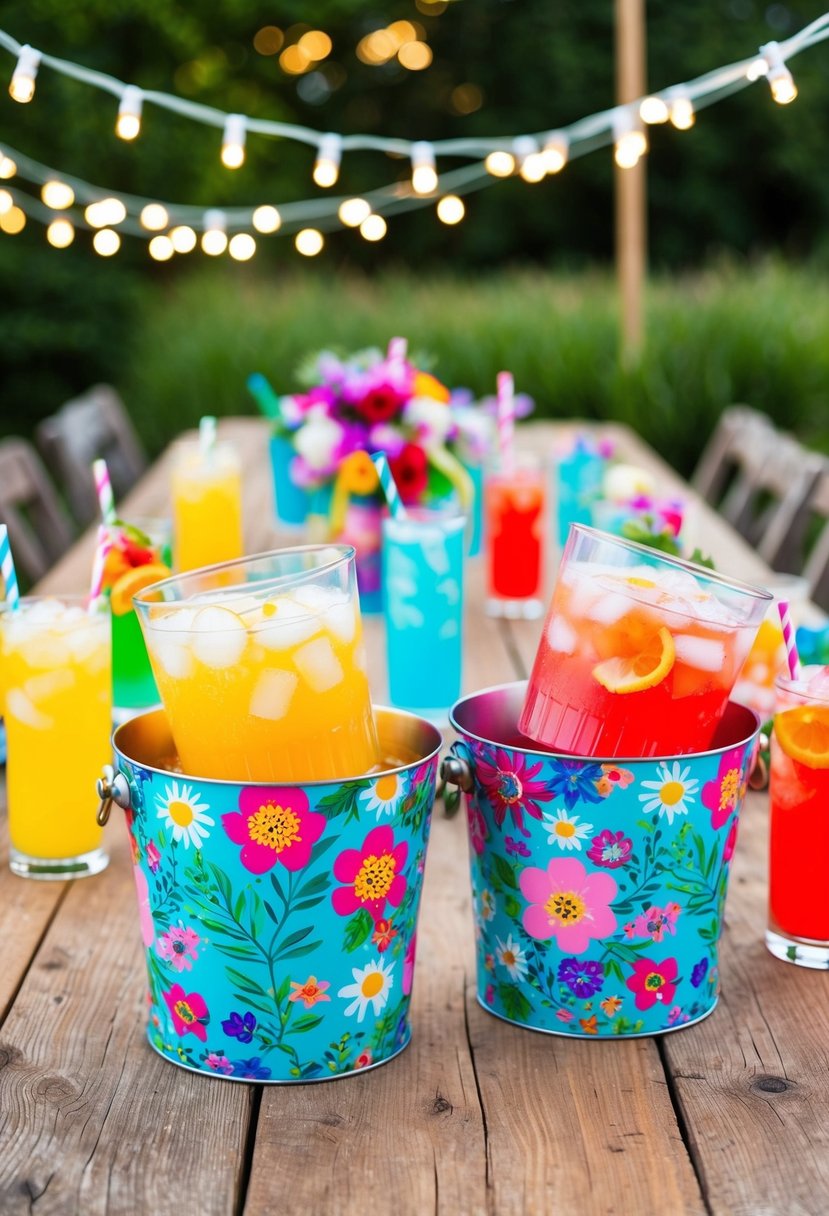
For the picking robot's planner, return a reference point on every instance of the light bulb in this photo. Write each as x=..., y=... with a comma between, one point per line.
x=630, y=141
x=308, y=242
x=451, y=209
x=22, y=86
x=424, y=173
x=128, y=122
x=60, y=233
x=13, y=220
x=266, y=219
x=682, y=112
x=500, y=164
x=653, y=110
x=57, y=195
x=327, y=166
x=352, y=211
x=233, y=141
x=214, y=238
x=8, y=168
x=373, y=228
x=105, y=212
x=6, y=201
x=781, y=83
x=242, y=247
x=106, y=242
x=161, y=248
x=556, y=151
x=154, y=217
x=182, y=238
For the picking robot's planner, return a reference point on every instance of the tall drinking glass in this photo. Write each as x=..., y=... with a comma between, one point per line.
x=260, y=665
x=639, y=651
x=515, y=529
x=423, y=605
x=55, y=677
x=207, y=505
x=798, y=920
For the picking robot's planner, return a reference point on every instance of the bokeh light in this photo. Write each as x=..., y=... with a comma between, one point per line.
x=309, y=242
x=266, y=219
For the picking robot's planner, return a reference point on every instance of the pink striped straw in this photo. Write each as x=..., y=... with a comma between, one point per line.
x=506, y=420
x=103, y=488
x=102, y=548
x=792, y=657
x=397, y=350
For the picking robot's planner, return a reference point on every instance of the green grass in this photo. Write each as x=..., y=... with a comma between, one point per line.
x=752, y=334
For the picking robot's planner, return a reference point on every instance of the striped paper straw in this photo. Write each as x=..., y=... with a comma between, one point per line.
x=506, y=420
x=207, y=434
x=792, y=657
x=103, y=488
x=389, y=486
x=102, y=548
x=8, y=571
x=398, y=348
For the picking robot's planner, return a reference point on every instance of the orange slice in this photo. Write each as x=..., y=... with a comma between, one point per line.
x=803, y=734
x=636, y=672
x=135, y=580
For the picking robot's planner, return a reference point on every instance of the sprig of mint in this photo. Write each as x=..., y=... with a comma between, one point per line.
x=663, y=542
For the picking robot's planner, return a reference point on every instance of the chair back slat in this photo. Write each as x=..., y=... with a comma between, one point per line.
x=39, y=531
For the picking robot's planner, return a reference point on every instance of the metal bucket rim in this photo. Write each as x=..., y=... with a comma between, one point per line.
x=536, y=752
x=389, y=709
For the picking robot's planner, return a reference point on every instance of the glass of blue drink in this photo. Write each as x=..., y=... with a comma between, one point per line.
x=423, y=556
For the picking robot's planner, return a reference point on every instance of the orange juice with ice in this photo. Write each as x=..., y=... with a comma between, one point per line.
x=55, y=674
x=207, y=506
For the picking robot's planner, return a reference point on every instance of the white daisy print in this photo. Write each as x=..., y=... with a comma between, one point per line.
x=511, y=956
x=372, y=985
x=182, y=812
x=487, y=904
x=384, y=795
x=671, y=793
x=565, y=830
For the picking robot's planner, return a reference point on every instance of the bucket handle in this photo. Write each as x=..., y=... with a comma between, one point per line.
x=111, y=787
x=455, y=769
x=758, y=778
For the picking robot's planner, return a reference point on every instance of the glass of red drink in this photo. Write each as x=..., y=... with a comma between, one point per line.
x=515, y=505
x=639, y=651
x=798, y=920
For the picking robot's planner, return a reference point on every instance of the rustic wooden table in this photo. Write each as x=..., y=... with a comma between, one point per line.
x=476, y=1116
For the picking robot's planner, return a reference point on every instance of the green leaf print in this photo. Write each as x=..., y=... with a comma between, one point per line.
x=511, y=906
x=505, y=873
x=357, y=930
x=343, y=801
x=516, y=1006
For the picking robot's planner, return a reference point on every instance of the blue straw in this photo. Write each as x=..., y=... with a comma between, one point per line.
x=389, y=486
x=8, y=571
x=264, y=396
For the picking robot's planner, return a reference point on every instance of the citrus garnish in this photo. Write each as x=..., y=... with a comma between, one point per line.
x=644, y=669
x=132, y=582
x=803, y=734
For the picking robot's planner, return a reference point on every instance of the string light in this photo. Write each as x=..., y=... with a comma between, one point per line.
x=6, y=201
x=233, y=141
x=373, y=228
x=424, y=173
x=182, y=238
x=8, y=168
x=154, y=217
x=654, y=110
x=309, y=242
x=57, y=195
x=352, y=211
x=781, y=82
x=128, y=122
x=106, y=242
x=500, y=163
x=13, y=220
x=681, y=110
x=105, y=213
x=242, y=247
x=266, y=219
x=630, y=141
x=60, y=233
x=451, y=209
x=556, y=151
x=214, y=240
x=22, y=86
x=530, y=162
x=161, y=248
x=327, y=166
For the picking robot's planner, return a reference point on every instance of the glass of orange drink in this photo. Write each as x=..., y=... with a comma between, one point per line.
x=639, y=651
x=260, y=665
x=207, y=505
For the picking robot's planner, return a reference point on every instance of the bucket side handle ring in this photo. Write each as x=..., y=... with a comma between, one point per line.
x=111, y=787
x=455, y=769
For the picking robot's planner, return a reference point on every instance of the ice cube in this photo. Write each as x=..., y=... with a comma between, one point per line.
x=817, y=682
x=608, y=609
x=705, y=654
x=285, y=624
x=174, y=620
x=450, y=590
x=85, y=641
x=20, y=707
x=448, y=629
x=435, y=554
x=341, y=620
x=44, y=612
x=318, y=665
x=561, y=636
x=219, y=637
x=318, y=599
x=173, y=656
x=272, y=694
x=37, y=688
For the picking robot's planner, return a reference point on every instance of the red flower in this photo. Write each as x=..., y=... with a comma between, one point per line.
x=410, y=470
x=273, y=824
x=381, y=403
x=384, y=931
x=652, y=982
x=372, y=874
x=188, y=1011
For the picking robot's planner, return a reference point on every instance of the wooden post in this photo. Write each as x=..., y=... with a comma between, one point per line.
x=631, y=231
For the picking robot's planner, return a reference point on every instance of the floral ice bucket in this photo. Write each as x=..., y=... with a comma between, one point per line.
x=279, y=923
x=598, y=884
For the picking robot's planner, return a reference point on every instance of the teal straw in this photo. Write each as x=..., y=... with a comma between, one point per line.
x=8, y=571
x=389, y=486
x=265, y=397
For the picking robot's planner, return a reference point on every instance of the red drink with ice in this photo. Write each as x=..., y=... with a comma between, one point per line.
x=639, y=651
x=514, y=529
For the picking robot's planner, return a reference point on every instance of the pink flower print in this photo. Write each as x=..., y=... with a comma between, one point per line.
x=652, y=982
x=655, y=923
x=372, y=874
x=145, y=914
x=153, y=858
x=218, y=1063
x=610, y=849
x=617, y=776
x=731, y=840
x=188, y=1011
x=310, y=992
x=489, y=994
x=477, y=828
x=568, y=903
x=408, y=965
x=178, y=946
x=723, y=795
x=273, y=824
x=564, y=1015
x=509, y=784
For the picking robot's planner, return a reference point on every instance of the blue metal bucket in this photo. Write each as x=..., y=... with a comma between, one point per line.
x=598, y=884
x=279, y=923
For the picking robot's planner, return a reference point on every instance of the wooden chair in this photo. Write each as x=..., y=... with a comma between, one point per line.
x=813, y=538
x=39, y=531
x=93, y=425
x=739, y=429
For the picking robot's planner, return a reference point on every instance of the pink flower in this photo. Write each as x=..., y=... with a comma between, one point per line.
x=652, y=982
x=508, y=781
x=610, y=849
x=408, y=965
x=372, y=874
x=178, y=946
x=477, y=828
x=145, y=913
x=310, y=992
x=723, y=795
x=153, y=858
x=364, y=1059
x=564, y=1015
x=188, y=1011
x=218, y=1063
x=617, y=776
x=655, y=923
x=731, y=840
x=489, y=994
x=273, y=824
x=568, y=903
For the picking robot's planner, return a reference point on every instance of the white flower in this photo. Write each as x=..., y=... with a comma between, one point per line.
x=430, y=418
x=511, y=956
x=384, y=795
x=625, y=481
x=372, y=985
x=671, y=791
x=184, y=814
x=565, y=830
x=487, y=904
x=318, y=439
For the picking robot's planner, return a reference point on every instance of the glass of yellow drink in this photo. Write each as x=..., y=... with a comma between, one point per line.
x=207, y=505
x=55, y=680
x=260, y=666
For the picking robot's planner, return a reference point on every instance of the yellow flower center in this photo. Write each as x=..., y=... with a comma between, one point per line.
x=386, y=787
x=563, y=828
x=375, y=877
x=654, y=981
x=372, y=984
x=181, y=813
x=565, y=907
x=509, y=958
x=275, y=826
x=672, y=792
x=729, y=788
x=185, y=1012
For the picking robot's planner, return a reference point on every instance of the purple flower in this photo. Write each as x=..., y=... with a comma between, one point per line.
x=240, y=1026
x=699, y=972
x=583, y=979
x=610, y=849
x=251, y=1070
x=516, y=847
